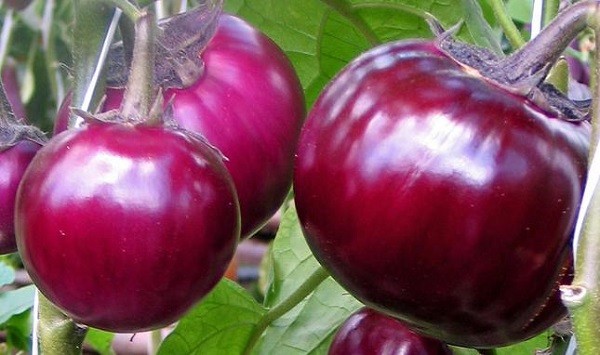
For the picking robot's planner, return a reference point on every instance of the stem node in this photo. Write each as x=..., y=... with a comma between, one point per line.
x=573, y=296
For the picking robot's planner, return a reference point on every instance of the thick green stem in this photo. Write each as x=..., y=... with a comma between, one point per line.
x=127, y=29
x=582, y=297
x=58, y=335
x=508, y=26
x=285, y=306
x=140, y=94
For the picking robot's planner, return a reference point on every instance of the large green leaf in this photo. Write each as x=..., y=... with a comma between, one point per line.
x=308, y=327
x=221, y=324
x=18, y=330
x=291, y=260
x=15, y=302
x=320, y=37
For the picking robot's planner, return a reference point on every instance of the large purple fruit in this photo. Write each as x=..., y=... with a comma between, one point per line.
x=250, y=105
x=125, y=227
x=440, y=198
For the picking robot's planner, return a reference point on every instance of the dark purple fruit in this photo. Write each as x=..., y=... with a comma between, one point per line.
x=125, y=227
x=368, y=332
x=13, y=162
x=440, y=198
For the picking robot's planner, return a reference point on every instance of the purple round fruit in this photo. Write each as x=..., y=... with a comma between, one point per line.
x=250, y=105
x=368, y=332
x=440, y=198
x=13, y=162
x=125, y=227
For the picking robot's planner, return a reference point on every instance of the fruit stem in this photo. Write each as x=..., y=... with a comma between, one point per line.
x=550, y=43
x=140, y=93
x=58, y=334
x=285, y=306
x=508, y=26
x=582, y=297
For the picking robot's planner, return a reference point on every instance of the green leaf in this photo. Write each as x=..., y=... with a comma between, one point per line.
x=478, y=28
x=220, y=324
x=15, y=302
x=520, y=10
x=100, y=341
x=309, y=326
x=291, y=260
x=527, y=347
x=18, y=330
x=7, y=274
x=463, y=351
x=321, y=37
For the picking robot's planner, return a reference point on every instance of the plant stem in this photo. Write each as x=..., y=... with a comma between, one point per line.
x=549, y=45
x=58, y=335
x=140, y=94
x=285, y=306
x=128, y=8
x=582, y=297
x=508, y=26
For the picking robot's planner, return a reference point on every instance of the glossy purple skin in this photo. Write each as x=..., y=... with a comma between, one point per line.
x=368, y=332
x=250, y=105
x=13, y=162
x=439, y=198
x=125, y=228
